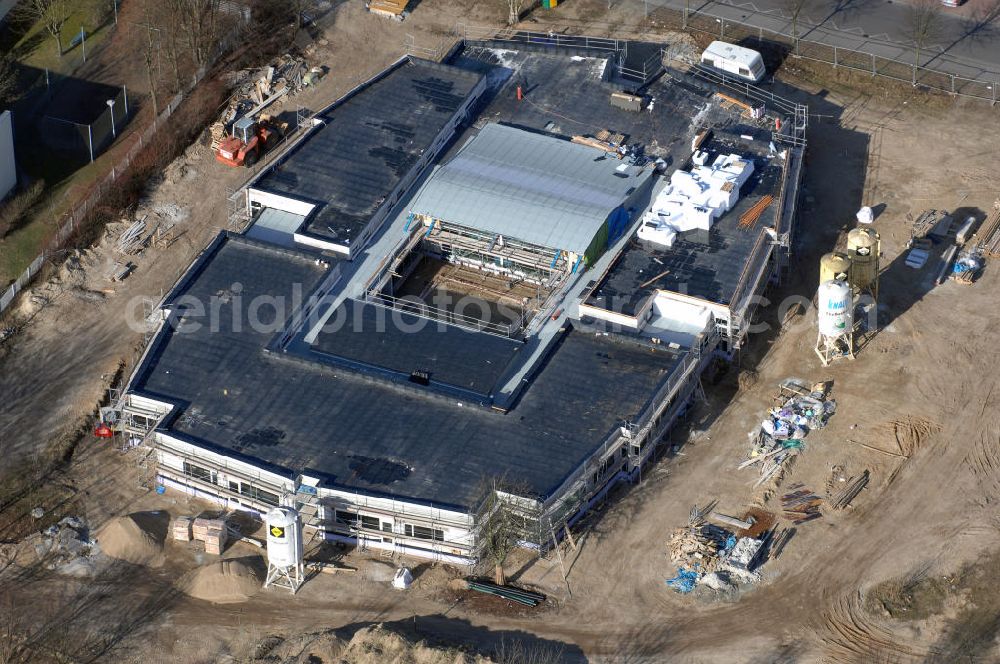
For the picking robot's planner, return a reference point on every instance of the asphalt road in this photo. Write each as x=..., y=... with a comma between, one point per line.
x=966, y=40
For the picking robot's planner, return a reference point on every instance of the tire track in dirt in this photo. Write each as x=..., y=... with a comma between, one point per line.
x=983, y=460
x=853, y=635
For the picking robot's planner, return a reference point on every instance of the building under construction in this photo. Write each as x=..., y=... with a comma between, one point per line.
x=438, y=294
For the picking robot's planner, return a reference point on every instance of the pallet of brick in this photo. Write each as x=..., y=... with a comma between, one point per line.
x=181, y=529
x=215, y=541
x=202, y=527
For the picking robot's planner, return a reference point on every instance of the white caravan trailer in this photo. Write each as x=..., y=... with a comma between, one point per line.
x=745, y=63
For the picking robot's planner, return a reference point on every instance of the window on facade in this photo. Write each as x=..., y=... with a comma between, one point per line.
x=203, y=474
x=346, y=518
x=353, y=519
x=234, y=486
x=744, y=71
x=386, y=527
x=421, y=532
x=261, y=496
x=141, y=421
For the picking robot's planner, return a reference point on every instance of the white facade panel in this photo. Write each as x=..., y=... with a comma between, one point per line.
x=279, y=202
x=8, y=165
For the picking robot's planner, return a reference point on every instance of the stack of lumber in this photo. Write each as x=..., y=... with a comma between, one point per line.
x=746, y=110
x=851, y=491
x=801, y=505
x=605, y=141
x=725, y=101
x=966, y=278
x=989, y=234
x=181, y=529
x=212, y=532
x=388, y=8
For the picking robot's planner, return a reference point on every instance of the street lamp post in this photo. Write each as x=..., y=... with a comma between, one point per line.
x=111, y=106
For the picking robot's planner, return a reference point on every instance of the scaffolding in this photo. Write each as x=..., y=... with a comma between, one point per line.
x=544, y=523
x=238, y=211
x=484, y=252
x=528, y=261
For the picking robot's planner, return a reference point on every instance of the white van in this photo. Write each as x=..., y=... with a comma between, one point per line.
x=745, y=63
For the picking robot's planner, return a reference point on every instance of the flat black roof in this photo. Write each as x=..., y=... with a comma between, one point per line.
x=566, y=94
x=289, y=414
x=367, y=335
x=369, y=142
x=81, y=101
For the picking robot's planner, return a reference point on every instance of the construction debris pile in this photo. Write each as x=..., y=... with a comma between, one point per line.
x=779, y=438
x=67, y=548
x=255, y=89
x=967, y=266
x=712, y=556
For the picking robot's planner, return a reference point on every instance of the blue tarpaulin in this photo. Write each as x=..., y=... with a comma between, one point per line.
x=685, y=580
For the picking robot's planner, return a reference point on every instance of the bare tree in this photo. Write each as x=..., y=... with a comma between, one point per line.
x=166, y=15
x=514, y=9
x=925, y=24
x=982, y=17
x=794, y=9
x=195, y=24
x=52, y=14
x=502, y=521
x=149, y=56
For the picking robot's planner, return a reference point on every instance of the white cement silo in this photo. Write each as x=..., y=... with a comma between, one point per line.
x=285, y=567
x=835, y=319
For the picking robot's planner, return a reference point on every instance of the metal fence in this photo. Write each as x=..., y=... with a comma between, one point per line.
x=873, y=65
x=87, y=141
x=71, y=220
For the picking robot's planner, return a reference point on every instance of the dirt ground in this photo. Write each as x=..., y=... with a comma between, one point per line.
x=919, y=540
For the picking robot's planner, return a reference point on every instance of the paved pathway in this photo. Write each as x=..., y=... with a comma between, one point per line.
x=966, y=45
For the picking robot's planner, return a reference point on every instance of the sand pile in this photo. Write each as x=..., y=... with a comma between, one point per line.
x=376, y=644
x=136, y=538
x=222, y=582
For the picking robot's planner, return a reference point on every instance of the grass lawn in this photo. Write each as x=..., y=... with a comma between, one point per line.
x=38, y=49
x=23, y=245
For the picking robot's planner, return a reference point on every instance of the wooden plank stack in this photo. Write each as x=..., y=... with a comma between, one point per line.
x=801, y=505
x=989, y=234
x=388, y=8
x=604, y=141
x=212, y=532
x=851, y=491
x=181, y=529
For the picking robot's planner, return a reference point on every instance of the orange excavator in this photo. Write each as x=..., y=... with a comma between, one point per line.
x=249, y=140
